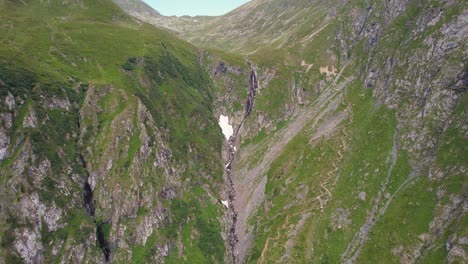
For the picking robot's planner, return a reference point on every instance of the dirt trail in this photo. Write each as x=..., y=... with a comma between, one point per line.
x=262, y=257
x=250, y=183
x=325, y=196
x=315, y=32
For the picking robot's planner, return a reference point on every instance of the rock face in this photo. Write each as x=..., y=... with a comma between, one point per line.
x=98, y=170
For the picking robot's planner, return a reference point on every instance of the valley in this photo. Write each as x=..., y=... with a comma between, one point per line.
x=303, y=131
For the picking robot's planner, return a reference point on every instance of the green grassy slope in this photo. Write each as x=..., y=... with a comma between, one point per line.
x=367, y=165
x=111, y=69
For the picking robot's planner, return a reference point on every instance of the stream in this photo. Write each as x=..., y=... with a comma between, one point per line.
x=232, y=235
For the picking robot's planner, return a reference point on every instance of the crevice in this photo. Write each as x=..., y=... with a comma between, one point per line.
x=102, y=241
x=88, y=204
x=232, y=235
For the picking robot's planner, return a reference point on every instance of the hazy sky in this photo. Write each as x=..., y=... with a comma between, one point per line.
x=194, y=7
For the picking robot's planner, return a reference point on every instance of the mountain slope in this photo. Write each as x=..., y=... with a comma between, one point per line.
x=338, y=160
x=99, y=161
x=255, y=25
x=349, y=133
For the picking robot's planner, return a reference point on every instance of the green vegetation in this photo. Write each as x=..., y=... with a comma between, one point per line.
x=207, y=246
x=130, y=109
x=454, y=145
x=58, y=52
x=365, y=163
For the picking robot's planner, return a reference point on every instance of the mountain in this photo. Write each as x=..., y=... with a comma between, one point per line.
x=137, y=8
x=303, y=131
x=110, y=149
x=359, y=105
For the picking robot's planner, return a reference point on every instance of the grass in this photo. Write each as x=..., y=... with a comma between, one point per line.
x=201, y=236
x=454, y=145
x=143, y=253
x=48, y=49
x=51, y=50
x=370, y=141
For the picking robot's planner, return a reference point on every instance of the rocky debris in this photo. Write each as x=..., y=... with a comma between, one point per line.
x=362, y=196
x=32, y=210
x=28, y=244
x=456, y=30
x=429, y=17
x=57, y=103
x=30, y=121
x=6, y=119
x=394, y=8
x=341, y=218
x=78, y=254
x=52, y=217
x=456, y=249
x=298, y=93
x=4, y=144
x=168, y=193
x=148, y=225
x=221, y=69
x=396, y=251
x=372, y=34
x=371, y=79
x=461, y=84
x=457, y=254
x=38, y=173
x=164, y=250
x=10, y=102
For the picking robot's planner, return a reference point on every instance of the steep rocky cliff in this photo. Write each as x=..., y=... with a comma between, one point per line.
x=110, y=149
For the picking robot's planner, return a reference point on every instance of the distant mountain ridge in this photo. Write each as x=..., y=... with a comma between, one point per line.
x=138, y=9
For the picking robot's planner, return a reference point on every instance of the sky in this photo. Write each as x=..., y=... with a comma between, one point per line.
x=194, y=7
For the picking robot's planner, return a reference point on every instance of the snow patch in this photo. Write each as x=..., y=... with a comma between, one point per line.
x=225, y=127
x=225, y=203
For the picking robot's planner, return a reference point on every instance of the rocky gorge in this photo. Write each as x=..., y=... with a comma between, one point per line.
x=282, y=132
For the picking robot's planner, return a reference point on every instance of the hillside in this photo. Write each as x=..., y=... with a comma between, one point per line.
x=354, y=150
x=99, y=162
x=302, y=131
